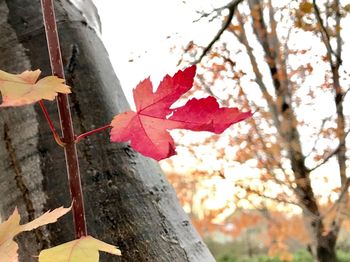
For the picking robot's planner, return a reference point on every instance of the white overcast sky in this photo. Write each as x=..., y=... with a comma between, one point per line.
x=145, y=31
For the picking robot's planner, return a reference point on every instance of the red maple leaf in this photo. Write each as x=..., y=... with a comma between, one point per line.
x=147, y=128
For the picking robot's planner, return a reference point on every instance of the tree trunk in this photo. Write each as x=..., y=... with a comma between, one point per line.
x=326, y=249
x=128, y=200
x=322, y=245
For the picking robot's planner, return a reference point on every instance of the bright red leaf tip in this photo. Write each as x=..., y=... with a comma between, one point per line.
x=147, y=128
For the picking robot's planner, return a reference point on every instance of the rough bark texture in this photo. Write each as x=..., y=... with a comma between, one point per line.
x=128, y=200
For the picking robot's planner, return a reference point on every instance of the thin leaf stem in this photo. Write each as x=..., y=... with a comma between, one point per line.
x=70, y=149
x=94, y=131
x=51, y=125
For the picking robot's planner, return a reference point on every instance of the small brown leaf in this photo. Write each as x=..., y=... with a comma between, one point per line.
x=306, y=7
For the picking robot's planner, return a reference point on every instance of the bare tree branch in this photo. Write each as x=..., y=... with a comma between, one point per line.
x=345, y=93
x=326, y=37
x=259, y=193
x=335, y=151
x=231, y=7
x=242, y=37
x=318, y=136
x=339, y=40
x=206, y=15
x=342, y=194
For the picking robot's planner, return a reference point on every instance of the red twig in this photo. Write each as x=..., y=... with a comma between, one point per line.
x=51, y=125
x=65, y=119
x=97, y=130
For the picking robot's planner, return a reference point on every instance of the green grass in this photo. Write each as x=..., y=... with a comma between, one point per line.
x=300, y=256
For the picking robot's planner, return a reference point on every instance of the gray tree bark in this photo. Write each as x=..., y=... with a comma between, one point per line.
x=128, y=200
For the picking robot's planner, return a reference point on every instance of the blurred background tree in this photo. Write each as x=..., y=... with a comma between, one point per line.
x=284, y=170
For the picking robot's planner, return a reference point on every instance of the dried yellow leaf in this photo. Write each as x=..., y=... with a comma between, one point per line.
x=24, y=89
x=347, y=8
x=306, y=7
x=11, y=227
x=84, y=249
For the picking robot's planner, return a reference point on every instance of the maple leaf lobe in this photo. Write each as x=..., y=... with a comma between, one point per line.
x=170, y=89
x=147, y=129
